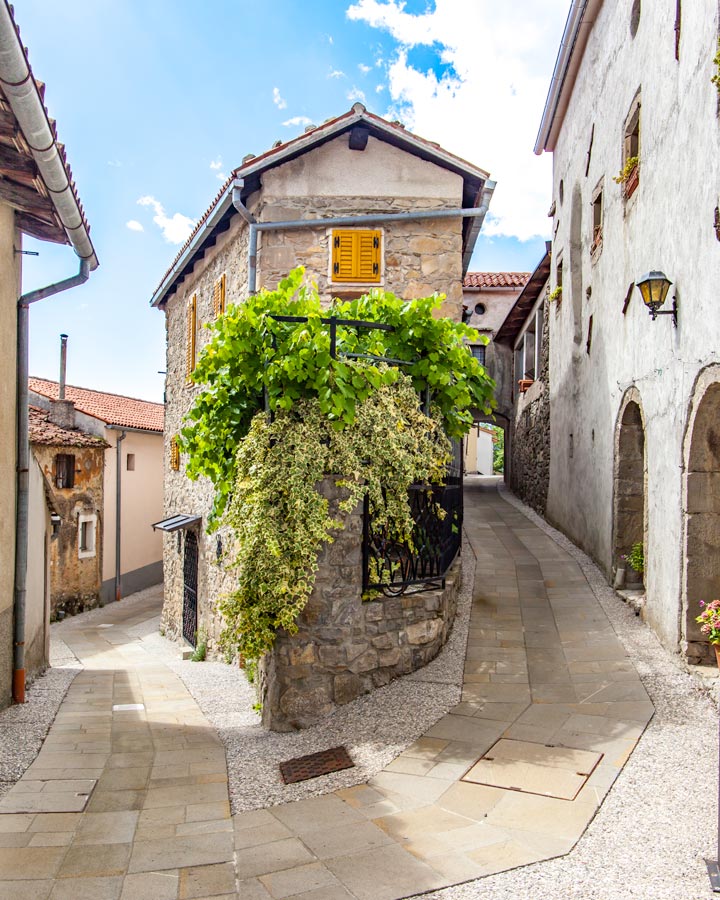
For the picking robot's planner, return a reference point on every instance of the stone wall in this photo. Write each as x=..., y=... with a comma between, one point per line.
x=420, y=257
x=74, y=582
x=346, y=647
x=530, y=439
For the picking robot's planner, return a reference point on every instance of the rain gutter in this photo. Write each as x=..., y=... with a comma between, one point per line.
x=556, y=101
x=255, y=227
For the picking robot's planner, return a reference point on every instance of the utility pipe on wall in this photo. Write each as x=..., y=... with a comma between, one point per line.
x=118, y=514
x=23, y=468
x=343, y=221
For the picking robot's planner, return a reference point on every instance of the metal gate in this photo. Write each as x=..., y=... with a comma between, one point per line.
x=190, y=583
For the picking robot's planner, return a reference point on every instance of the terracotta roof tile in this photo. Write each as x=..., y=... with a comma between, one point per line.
x=115, y=409
x=496, y=279
x=43, y=431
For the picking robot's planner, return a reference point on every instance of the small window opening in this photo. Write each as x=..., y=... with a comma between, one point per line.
x=589, y=151
x=571, y=447
x=480, y=309
x=131, y=462
x=630, y=174
x=478, y=351
x=678, y=24
x=597, y=221
x=86, y=535
x=65, y=470
x=635, y=18
x=589, y=336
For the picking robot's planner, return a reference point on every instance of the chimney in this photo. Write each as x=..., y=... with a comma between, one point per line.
x=62, y=411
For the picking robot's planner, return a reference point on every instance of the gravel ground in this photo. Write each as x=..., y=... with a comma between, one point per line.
x=23, y=728
x=659, y=821
x=375, y=728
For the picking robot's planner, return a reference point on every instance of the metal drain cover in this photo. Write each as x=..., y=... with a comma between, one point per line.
x=315, y=764
x=532, y=768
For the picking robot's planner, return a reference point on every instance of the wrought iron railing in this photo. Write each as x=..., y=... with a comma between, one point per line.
x=394, y=567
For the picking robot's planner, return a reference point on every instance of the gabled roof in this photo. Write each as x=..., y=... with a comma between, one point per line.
x=43, y=431
x=360, y=123
x=495, y=279
x=519, y=311
x=113, y=409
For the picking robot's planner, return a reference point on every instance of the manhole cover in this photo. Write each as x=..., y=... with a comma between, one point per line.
x=315, y=764
x=534, y=768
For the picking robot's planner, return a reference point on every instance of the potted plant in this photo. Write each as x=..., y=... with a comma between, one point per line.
x=709, y=621
x=629, y=175
x=635, y=560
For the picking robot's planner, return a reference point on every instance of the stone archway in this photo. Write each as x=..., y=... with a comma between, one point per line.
x=702, y=519
x=630, y=485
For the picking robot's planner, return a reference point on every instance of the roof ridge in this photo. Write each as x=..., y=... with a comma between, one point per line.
x=95, y=391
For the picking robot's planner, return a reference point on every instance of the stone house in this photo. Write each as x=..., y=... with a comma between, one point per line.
x=37, y=198
x=521, y=357
x=631, y=119
x=128, y=497
x=72, y=464
x=361, y=203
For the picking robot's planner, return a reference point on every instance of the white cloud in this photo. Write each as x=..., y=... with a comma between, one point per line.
x=336, y=73
x=115, y=163
x=487, y=107
x=278, y=100
x=134, y=225
x=296, y=121
x=176, y=228
x=363, y=68
x=356, y=94
x=216, y=165
x=379, y=88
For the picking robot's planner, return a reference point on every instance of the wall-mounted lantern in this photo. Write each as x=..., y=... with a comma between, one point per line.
x=653, y=288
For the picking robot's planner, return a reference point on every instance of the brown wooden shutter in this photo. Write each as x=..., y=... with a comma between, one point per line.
x=190, y=337
x=219, y=297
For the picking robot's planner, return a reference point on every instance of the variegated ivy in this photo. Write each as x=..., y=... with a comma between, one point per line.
x=341, y=414
x=279, y=517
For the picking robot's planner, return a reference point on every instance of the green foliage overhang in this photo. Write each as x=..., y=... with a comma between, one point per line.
x=345, y=414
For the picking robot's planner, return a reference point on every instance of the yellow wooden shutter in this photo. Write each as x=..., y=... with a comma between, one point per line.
x=190, y=336
x=219, y=296
x=368, y=255
x=174, y=454
x=356, y=256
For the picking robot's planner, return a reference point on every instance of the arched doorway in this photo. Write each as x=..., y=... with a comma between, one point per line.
x=702, y=520
x=630, y=488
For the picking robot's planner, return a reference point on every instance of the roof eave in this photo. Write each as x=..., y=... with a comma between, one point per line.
x=579, y=23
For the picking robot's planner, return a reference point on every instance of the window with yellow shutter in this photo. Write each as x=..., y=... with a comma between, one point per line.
x=174, y=454
x=190, y=337
x=356, y=255
x=219, y=297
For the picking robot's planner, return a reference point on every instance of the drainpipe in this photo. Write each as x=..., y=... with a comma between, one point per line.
x=23, y=468
x=118, y=508
x=118, y=497
x=342, y=221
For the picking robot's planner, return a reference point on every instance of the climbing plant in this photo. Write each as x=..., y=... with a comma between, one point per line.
x=283, y=403
x=280, y=518
x=251, y=354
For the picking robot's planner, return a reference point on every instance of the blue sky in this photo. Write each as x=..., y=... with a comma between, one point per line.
x=158, y=101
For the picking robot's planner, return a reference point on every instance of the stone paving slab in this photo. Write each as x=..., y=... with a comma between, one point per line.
x=548, y=693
